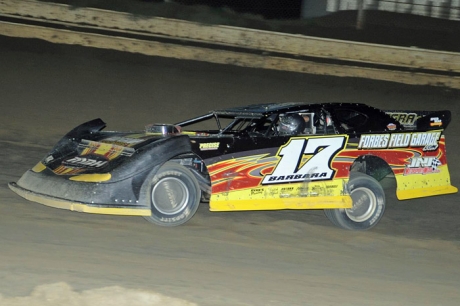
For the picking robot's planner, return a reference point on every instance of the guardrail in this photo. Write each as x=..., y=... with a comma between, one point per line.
x=227, y=45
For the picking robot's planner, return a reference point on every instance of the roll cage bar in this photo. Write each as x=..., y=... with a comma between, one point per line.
x=221, y=115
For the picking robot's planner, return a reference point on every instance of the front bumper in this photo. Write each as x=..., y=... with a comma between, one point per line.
x=100, y=198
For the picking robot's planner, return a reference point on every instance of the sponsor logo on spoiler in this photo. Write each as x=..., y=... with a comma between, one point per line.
x=406, y=119
x=435, y=121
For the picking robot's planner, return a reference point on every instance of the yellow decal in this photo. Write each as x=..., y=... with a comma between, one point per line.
x=305, y=195
x=94, y=178
x=39, y=167
x=209, y=146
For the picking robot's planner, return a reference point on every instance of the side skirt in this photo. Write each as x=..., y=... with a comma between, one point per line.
x=222, y=203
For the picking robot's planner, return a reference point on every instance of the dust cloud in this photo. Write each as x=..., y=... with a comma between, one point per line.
x=59, y=294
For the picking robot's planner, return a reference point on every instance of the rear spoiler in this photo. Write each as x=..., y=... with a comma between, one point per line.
x=422, y=120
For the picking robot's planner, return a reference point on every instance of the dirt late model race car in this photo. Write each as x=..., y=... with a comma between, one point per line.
x=327, y=156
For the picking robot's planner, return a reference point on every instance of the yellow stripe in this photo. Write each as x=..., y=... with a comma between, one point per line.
x=425, y=192
x=321, y=202
x=94, y=178
x=39, y=167
x=102, y=148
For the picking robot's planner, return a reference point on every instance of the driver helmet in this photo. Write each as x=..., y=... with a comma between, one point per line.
x=291, y=124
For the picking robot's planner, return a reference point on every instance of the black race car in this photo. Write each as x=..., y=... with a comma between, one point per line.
x=327, y=156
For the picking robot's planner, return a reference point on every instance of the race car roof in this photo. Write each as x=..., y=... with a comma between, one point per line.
x=257, y=110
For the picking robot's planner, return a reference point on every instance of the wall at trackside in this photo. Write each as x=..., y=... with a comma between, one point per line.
x=227, y=45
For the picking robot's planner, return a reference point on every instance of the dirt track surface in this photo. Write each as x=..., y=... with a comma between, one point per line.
x=56, y=257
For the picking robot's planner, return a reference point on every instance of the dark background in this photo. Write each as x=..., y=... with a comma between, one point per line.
x=380, y=27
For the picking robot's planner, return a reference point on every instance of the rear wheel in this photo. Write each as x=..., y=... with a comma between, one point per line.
x=368, y=204
x=173, y=194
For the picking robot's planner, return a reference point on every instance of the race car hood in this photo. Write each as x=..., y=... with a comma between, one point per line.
x=87, y=153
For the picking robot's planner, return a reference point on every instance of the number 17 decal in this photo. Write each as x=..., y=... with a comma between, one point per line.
x=318, y=153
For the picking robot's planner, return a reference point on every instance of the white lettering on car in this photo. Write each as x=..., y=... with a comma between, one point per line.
x=318, y=152
x=83, y=161
x=429, y=140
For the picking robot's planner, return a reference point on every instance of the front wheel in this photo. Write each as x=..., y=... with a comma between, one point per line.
x=173, y=194
x=368, y=204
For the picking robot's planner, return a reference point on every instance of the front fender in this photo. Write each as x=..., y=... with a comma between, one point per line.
x=153, y=154
x=123, y=187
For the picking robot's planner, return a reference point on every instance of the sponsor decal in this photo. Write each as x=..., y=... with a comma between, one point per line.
x=302, y=190
x=435, y=121
x=92, y=161
x=377, y=141
x=391, y=126
x=424, y=139
x=49, y=159
x=306, y=159
x=257, y=191
x=209, y=146
x=406, y=119
x=286, y=192
x=123, y=141
x=428, y=140
x=422, y=165
x=316, y=191
x=108, y=150
x=431, y=147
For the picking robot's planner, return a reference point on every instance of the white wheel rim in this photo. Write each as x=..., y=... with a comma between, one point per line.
x=364, y=204
x=170, y=195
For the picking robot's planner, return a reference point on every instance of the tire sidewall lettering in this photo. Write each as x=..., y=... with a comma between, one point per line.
x=172, y=170
x=340, y=217
x=376, y=215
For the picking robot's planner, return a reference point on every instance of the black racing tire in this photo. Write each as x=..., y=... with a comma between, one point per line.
x=368, y=204
x=173, y=194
